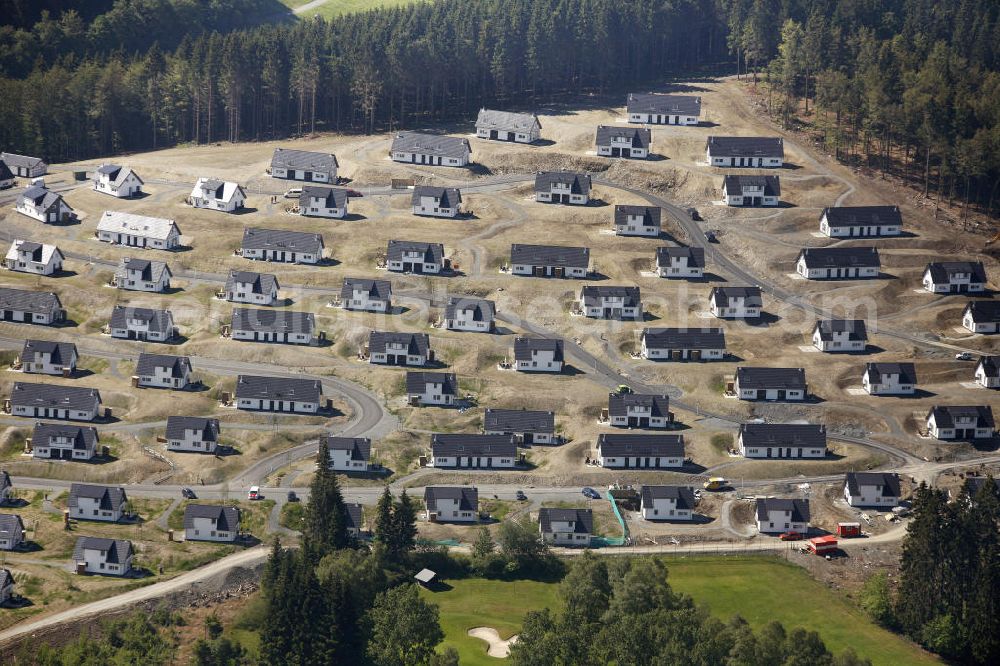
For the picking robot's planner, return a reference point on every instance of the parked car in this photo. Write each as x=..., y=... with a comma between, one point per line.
x=791, y=536
x=963, y=356
x=715, y=483
x=293, y=193
x=520, y=496
x=354, y=193
x=292, y=497
x=187, y=493
x=710, y=237
x=591, y=493
x=254, y=493
x=693, y=212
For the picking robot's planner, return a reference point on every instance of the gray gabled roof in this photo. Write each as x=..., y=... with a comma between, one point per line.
x=137, y=225
x=377, y=289
x=279, y=239
x=945, y=415
x=579, y=183
x=482, y=309
x=507, y=121
x=151, y=271
x=354, y=515
x=976, y=483
x=448, y=197
x=111, y=498
x=256, y=387
x=866, y=216
x=262, y=283
x=42, y=197
x=5, y=172
x=840, y=257
x=684, y=338
x=990, y=365
x=983, y=312
x=650, y=214
x=722, y=295
x=682, y=495
x=177, y=425
x=360, y=448
x=84, y=438
x=941, y=271
x=593, y=295
x=907, y=372
x=5, y=481
x=519, y=420
x=695, y=255
x=638, y=137
x=888, y=480
x=23, y=300
x=23, y=161
x=745, y=146
x=417, y=344
x=523, y=347
x=616, y=445
x=855, y=328
x=11, y=525
x=619, y=403
x=26, y=394
x=798, y=508
x=157, y=320
x=755, y=377
x=473, y=444
x=550, y=255
x=666, y=105
x=59, y=352
x=417, y=381
x=179, y=366
x=303, y=160
x=431, y=144
x=734, y=184
x=806, y=435
x=332, y=197
x=433, y=253
x=118, y=174
x=468, y=498
x=583, y=519
x=273, y=321
x=227, y=518
x=118, y=550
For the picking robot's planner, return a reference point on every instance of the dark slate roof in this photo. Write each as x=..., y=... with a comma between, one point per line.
x=273, y=321
x=417, y=344
x=157, y=320
x=524, y=346
x=303, y=160
x=60, y=352
x=468, y=498
x=118, y=550
x=638, y=137
x=983, y=312
x=583, y=519
x=907, y=372
x=433, y=252
x=722, y=295
x=888, y=480
x=806, y=435
x=227, y=518
x=354, y=513
x=40, y=302
x=32, y=248
x=41, y=197
x=682, y=495
x=623, y=445
x=177, y=425
x=482, y=310
x=990, y=364
x=672, y=105
x=579, y=183
x=448, y=197
x=941, y=271
x=417, y=381
x=650, y=214
x=6, y=578
x=278, y=388
x=519, y=420
x=431, y=144
x=277, y=239
x=752, y=377
x=975, y=483
x=21, y=160
x=360, y=448
x=695, y=255
x=507, y=120
x=377, y=289
x=855, y=328
x=468, y=444
x=734, y=184
x=11, y=523
x=594, y=294
x=745, y=146
x=262, y=282
x=684, y=338
x=840, y=257
x=944, y=415
x=550, y=255
x=151, y=271
x=5, y=172
x=49, y=395
x=111, y=498
x=619, y=403
x=83, y=437
x=148, y=363
x=799, y=508
x=109, y=169
x=333, y=197
x=867, y=216
x=5, y=482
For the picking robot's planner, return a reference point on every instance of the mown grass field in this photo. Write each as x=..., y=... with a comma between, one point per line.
x=333, y=8
x=760, y=589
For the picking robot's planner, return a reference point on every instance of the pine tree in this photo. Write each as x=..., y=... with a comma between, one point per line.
x=383, y=525
x=324, y=526
x=404, y=520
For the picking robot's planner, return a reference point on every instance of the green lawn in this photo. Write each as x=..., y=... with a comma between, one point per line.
x=334, y=8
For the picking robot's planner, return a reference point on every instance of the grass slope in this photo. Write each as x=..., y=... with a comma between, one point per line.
x=332, y=8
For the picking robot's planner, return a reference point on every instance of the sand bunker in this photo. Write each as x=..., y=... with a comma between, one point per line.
x=499, y=648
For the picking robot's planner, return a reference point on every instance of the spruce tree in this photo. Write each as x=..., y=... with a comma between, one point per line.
x=404, y=520
x=324, y=527
x=383, y=526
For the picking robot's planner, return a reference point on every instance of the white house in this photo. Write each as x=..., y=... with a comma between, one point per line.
x=637, y=221
x=566, y=527
x=528, y=426
x=128, y=323
x=680, y=262
x=666, y=503
x=281, y=326
x=194, y=434
x=58, y=441
x=683, y=344
x=30, y=307
x=431, y=388
x=118, y=181
x=654, y=109
x=25, y=166
x=448, y=504
x=415, y=257
x=290, y=247
x=751, y=190
x=397, y=348
x=211, y=522
x=735, y=302
x=756, y=383
x=48, y=358
x=629, y=142
x=777, y=515
x=354, y=519
x=138, y=231
x=163, y=371
x=107, y=557
x=950, y=422
x=889, y=379
x=366, y=295
x=251, y=287
x=861, y=221
x=628, y=451
x=838, y=263
x=465, y=313
x=988, y=372
x=43, y=205
x=954, y=277
x=638, y=410
x=100, y=503
x=549, y=261
x=430, y=149
x=610, y=302
x=508, y=126
x=436, y=201
x=782, y=440
x=323, y=202
x=142, y=275
x=982, y=316
x=872, y=489
x=304, y=165
x=48, y=401
x=278, y=394
x=473, y=451
x=840, y=335
x=349, y=454
x=565, y=187
x=31, y=257
x=745, y=151
x=215, y=194
x=538, y=355
x=11, y=532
